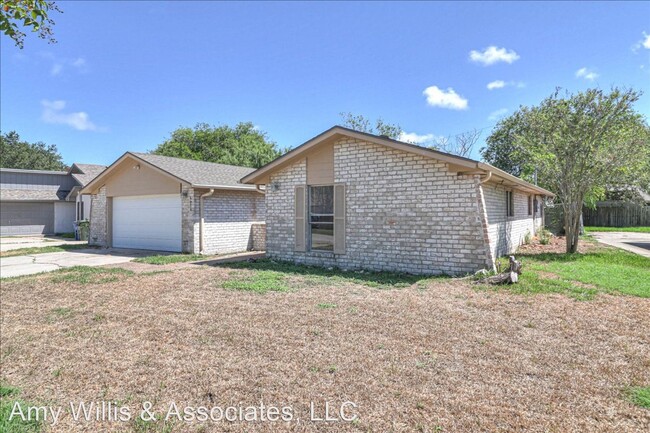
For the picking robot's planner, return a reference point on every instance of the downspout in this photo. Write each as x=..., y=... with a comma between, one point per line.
x=201, y=197
x=487, y=177
x=260, y=190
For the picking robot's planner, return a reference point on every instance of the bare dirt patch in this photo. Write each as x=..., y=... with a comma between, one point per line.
x=557, y=244
x=422, y=358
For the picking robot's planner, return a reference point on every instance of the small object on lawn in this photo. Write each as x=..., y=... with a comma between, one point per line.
x=510, y=276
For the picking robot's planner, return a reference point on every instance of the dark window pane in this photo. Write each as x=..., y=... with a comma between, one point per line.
x=322, y=219
x=321, y=200
x=322, y=237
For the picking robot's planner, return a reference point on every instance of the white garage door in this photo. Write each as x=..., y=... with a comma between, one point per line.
x=149, y=222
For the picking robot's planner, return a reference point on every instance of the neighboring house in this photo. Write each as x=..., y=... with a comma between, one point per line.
x=360, y=201
x=35, y=202
x=83, y=174
x=156, y=202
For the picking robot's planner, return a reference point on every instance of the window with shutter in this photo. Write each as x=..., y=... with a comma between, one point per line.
x=321, y=217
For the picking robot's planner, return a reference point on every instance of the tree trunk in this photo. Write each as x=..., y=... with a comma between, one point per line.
x=572, y=216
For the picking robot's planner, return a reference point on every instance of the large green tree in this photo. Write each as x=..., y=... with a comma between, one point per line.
x=579, y=145
x=28, y=14
x=17, y=153
x=243, y=145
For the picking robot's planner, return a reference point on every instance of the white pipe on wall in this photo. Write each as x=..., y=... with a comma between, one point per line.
x=207, y=194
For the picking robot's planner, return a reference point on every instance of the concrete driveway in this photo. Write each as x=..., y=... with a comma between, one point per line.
x=15, y=242
x=47, y=262
x=638, y=243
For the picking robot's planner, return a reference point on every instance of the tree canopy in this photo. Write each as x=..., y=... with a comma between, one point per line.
x=243, y=145
x=360, y=123
x=17, y=153
x=580, y=145
x=30, y=14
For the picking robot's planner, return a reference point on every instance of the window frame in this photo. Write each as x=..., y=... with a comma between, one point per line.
x=310, y=223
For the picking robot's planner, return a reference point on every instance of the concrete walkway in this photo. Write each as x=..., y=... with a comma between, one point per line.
x=638, y=243
x=47, y=262
x=17, y=242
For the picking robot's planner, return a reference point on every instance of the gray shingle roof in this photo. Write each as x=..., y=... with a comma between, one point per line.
x=32, y=194
x=90, y=171
x=199, y=172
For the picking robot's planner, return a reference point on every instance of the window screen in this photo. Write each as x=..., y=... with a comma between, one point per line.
x=321, y=217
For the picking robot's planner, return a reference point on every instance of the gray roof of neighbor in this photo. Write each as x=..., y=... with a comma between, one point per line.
x=33, y=195
x=90, y=171
x=198, y=173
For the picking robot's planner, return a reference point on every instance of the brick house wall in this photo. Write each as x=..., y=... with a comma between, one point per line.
x=506, y=233
x=404, y=213
x=230, y=218
x=97, y=233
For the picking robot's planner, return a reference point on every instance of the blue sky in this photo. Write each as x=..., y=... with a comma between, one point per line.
x=123, y=75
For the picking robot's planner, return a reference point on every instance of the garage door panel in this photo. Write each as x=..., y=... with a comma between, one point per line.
x=147, y=222
x=26, y=218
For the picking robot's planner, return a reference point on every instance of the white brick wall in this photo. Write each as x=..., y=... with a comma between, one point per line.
x=405, y=213
x=97, y=231
x=507, y=233
x=229, y=217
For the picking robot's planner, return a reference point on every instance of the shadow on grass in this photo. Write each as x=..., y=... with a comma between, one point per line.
x=381, y=280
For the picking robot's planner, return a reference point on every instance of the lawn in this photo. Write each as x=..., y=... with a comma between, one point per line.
x=166, y=259
x=583, y=276
x=415, y=354
x=618, y=229
x=40, y=250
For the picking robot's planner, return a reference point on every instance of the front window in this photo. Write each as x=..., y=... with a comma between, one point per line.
x=321, y=217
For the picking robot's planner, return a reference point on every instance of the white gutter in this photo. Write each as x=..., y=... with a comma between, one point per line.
x=260, y=190
x=207, y=194
x=487, y=178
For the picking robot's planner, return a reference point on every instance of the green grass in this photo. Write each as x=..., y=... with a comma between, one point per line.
x=258, y=282
x=41, y=250
x=89, y=275
x=618, y=229
x=169, y=258
x=316, y=275
x=15, y=425
x=639, y=395
x=158, y=426
x=325, y=305
x=66, y=235
x=583, y=276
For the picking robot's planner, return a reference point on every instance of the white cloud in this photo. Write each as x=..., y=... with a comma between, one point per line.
x=498, y=114
x=56, y=69
x=498, y=84
x=59, y=65
x=643, y=43
x=79, y=63
x=586, y=74
x=412, y=137
x=437, y=97
x=492, y=55
x=53, y=113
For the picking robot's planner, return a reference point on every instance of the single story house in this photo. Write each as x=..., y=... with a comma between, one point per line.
x=353, y=200
x=155, y=202
x=36, y=202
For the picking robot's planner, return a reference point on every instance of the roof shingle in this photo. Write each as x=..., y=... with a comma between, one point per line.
x=199, y=172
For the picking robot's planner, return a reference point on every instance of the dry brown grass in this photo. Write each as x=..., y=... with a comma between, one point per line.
x=444, y=357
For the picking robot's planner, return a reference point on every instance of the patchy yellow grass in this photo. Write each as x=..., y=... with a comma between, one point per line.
x=433, y=356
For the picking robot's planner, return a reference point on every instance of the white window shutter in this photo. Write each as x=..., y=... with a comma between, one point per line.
x=299, y=220
x=339, y=218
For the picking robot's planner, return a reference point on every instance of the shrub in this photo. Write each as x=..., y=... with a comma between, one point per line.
x=545, y=237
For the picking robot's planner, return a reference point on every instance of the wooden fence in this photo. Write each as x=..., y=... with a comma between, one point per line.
x=617, y=214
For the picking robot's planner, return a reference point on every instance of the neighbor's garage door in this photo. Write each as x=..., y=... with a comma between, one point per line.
x=26, y=218
x=150, y=222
